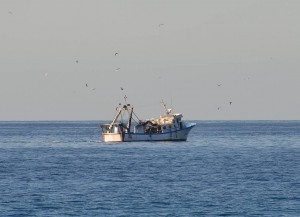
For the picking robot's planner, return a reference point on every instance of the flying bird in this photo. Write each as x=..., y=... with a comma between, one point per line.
x=230, y=103
x=219, y=108
x=116, y=54
x=10, y=12
x=86, y=85
x=117, y=69
x=161, y=25
x=76, y=61
x=94, y=89
x=219, y=85
x=122, y=88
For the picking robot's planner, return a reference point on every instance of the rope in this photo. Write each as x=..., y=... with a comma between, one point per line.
x=121, y=117
x=136, y=117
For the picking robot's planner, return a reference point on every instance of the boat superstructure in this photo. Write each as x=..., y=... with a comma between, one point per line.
x=168, y=127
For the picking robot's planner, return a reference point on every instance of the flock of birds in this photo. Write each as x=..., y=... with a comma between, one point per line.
x=77, y=61
x=86, y=84
x=117, y=69
x=122, y=89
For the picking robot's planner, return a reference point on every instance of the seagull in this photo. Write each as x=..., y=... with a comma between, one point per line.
x=117, y=69
x=76, y=61
x=230, y=103
x=116, y=54
x=10, y=12
x=122, y=88
x=86, y=85
x=219, y=108
x=161, y=25
x=94, y=89
x=219, y=85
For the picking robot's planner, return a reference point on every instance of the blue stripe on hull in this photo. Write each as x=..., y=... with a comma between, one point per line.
x=179, y=135
x=163, y=132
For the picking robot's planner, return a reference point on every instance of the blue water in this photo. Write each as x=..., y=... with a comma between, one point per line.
x=230, y=168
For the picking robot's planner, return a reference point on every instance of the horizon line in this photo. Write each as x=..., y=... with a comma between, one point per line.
x=94, y=120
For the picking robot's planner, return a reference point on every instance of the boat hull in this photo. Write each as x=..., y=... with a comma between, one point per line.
x=175, y=135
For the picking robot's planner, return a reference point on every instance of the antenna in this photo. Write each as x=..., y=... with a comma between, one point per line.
x=168, y=111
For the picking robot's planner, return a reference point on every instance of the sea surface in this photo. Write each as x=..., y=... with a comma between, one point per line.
x=226, y=168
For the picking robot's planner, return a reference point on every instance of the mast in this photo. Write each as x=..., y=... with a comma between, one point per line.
x=129, y=119
x=115, y=119
x=120, y=109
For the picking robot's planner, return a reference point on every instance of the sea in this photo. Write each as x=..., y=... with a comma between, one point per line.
x=225, y=168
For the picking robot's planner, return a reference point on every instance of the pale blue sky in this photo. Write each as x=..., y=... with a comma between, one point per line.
x=251, y=47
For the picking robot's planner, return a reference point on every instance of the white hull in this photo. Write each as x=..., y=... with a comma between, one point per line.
x=175, y=135
x=112, y=137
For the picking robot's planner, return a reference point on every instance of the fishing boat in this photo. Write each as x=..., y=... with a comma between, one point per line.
x=168, y=127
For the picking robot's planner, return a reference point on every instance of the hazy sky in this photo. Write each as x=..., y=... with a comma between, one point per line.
x=250, y=47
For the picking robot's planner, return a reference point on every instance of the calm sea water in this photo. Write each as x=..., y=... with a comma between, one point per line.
x=231, y=168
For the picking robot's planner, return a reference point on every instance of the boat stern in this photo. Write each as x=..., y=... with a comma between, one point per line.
x=112, y=133
x=113, y=137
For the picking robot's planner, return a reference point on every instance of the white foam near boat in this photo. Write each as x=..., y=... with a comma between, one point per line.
x=168, y=127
